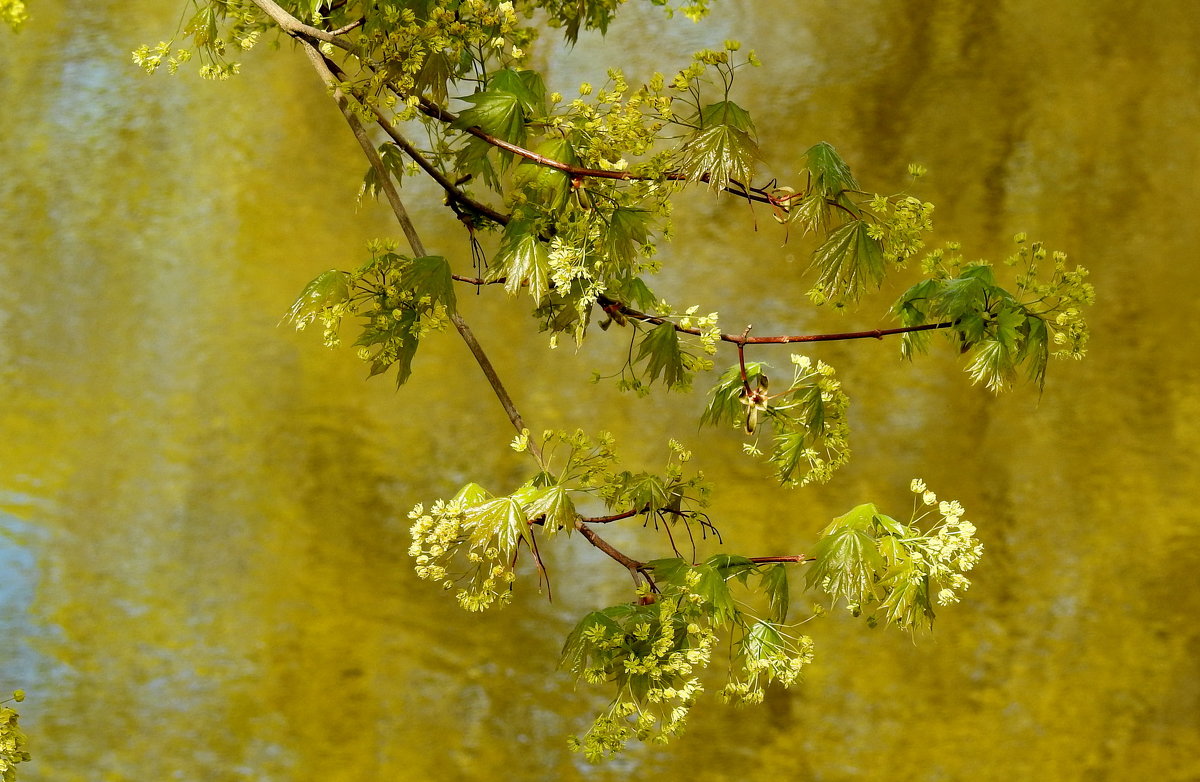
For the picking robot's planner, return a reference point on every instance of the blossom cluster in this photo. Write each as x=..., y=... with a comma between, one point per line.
x=438, y=538
x=950, y=549
x=12, y=742
x=653, y=653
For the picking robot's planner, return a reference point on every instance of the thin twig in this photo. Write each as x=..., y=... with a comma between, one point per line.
x=452, y=191
x=793, y=559
x=297, y=29
x=630, y=564
x=743, y=339
x=347, y=28
x=431, y=109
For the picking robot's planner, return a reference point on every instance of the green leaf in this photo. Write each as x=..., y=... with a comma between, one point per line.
x=660, y=349
x=811, y=406
x=966, y=294
x=203, y=26
x=848, y=261
x=430, y=276
x=522, y=259
x=860, y=517
x=907, y=599
x=501, y=522
x=727, y=112
x=472, y=494
x=830, y=174
x=405, y=352
x=812, y=211
x=845, y=565
x=720, y=152
x=394, y=163
x=761, y=641
x=645, y=492
x=626, y=231
x=991, y=363
x=436, y=73
x=1035, y=349
x=669, y=571
x=634, y=292
x=890, y=525
x=575, y=653
x=533, y=91
x=912, y=308
x=1008, y=327
x=559, y=310
x=732, y=566
x=581, y=14
x=774, y=582
x=725, y=397
x=497, y=112
x=546, y=186
x=715, y=592
x=399, y=345
x=555, y=505
x=790, y=450
x=329, y=288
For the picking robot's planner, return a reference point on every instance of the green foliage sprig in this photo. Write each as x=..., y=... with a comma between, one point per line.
x=891, y=570
x=808, y=418
x=399, y=299
x=12, y=739
x=572, y=197
x=13, y=13
x=1001, y=331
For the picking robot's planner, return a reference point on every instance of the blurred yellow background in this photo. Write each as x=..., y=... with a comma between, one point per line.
x=202, y=515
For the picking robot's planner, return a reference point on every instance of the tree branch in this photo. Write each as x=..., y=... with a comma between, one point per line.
x=324, y=68
x=615, y=517
x=454, y=193
x=431, y=109
x=299, y=30
x=795, y=559
x=632, y=565
x=418, y=247
x=745, y=339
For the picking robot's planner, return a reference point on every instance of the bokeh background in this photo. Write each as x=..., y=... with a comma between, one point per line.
x=202, y=515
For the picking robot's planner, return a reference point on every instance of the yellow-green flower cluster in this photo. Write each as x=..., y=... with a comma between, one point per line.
x=13, y=13
x=447, y=531
x=12, y=742
x=617, y=123
x=767, y=655
x=653, y=653
x=950, y=548
x=708, y=325
x=1058, y=299
x=903, y=221
x=894, y=572
x=829, y=444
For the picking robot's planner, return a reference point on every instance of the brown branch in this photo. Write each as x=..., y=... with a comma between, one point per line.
x=615, y=517
x=452, y=191
x=343, y=30
x=322, y=67
x=736, y=339
x=478, y=280
x=744, y=339
x=431, y=109
x=297, y=29
x=796, y=559
x=630, y=564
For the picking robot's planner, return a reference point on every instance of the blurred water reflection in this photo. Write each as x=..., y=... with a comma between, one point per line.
x=202, y=526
